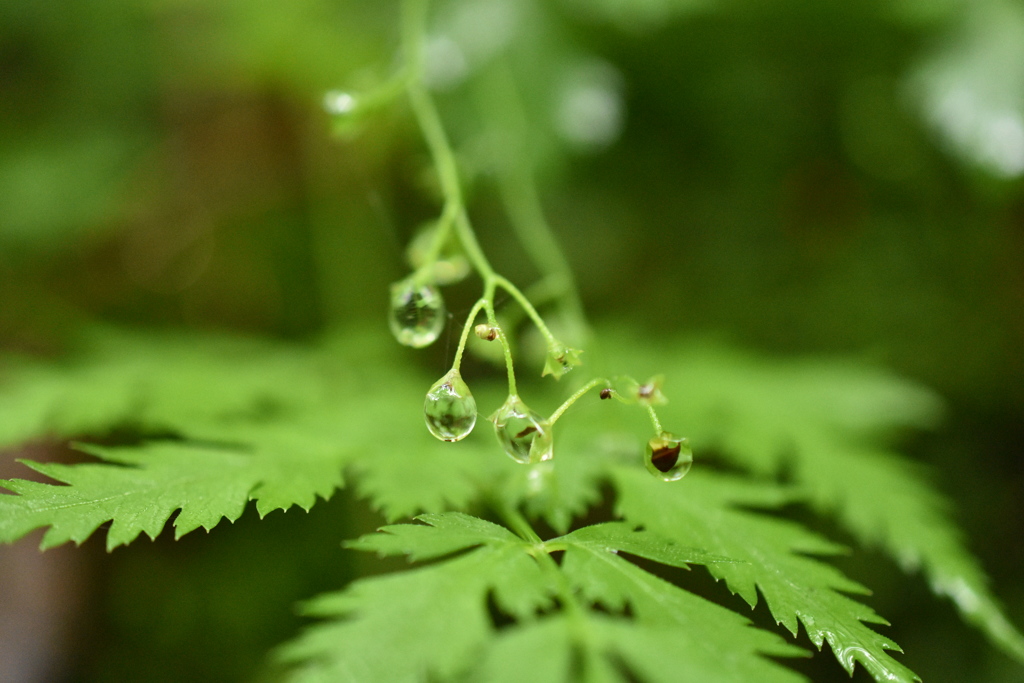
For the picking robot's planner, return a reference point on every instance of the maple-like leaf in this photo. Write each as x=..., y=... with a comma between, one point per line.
x=436, y=620
x=828, y=423
x=773, y=554
x=223, y=421
x=138, y=489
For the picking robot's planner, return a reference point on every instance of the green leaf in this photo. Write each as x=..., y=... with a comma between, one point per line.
x=153, y=481
x=674, y=635
x=396, y=627
x=795, y=587
x=278, y=423
x=619, y=536
x=284, y=421
x=886, y=502
x=160, y=381
x=436, y=621
x=440, y=535
x=828, y=422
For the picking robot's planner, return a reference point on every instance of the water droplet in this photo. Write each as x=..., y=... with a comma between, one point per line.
x=417, y=313
x=450, y=409
x=669, y=457
x=525, y=435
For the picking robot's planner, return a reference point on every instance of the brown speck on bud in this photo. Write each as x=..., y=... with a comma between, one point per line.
x=606, y=393
x=645, y=390
x=486, y=332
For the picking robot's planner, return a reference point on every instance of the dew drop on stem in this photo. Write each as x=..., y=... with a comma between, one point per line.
x=449, y=408
x=523, y=434
x=669, y=457
x=417, y=313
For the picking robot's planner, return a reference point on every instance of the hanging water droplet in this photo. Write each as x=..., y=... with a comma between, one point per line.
x=669, y=457
x=450, y=409
x=525, y=435
x=417, y=313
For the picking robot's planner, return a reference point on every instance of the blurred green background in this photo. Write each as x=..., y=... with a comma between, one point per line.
x=801, y=177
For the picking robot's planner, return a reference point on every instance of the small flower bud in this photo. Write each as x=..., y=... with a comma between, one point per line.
x=560, y=360
x=486, y=332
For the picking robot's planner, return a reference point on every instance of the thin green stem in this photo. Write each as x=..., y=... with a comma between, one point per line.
x=506, y=348
x=527, y=306
x=437, y=140
x=500, y=96
x=464, y=229
x=570, y=602
x=414, y=19
x=414, y=22
x=575, y=397
x=575, y=612
x=429, y=121
x=386, y=92
x=470, y=319
x=654, y=420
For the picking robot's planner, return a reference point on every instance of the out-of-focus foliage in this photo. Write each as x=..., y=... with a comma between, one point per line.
x=226, y=421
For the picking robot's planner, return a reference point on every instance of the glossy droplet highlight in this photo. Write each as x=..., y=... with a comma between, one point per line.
x=450, y=409
x=417, y=313
x=669, y=457
x=525, y=435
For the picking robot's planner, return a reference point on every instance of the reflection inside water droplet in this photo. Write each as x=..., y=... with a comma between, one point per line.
x=449, y=408
x=417, y=313
x=523, y=434
x=669, y=457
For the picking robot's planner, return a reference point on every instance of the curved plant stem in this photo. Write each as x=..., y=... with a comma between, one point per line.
x=575, y=397
x=500, y=96
x=506, y=348
x=470, y=319
x=527, y=306
x=575, y=611
x=654, y=420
